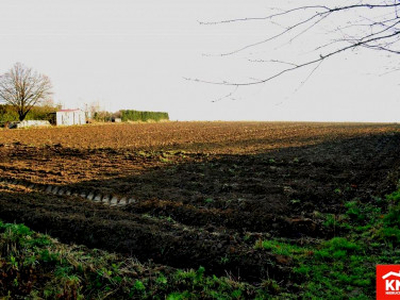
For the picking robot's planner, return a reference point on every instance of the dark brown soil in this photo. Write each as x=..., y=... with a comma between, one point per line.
x=199, y=208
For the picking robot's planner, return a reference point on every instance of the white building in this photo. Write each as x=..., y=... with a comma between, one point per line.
x=68, y=117
x=29, y=123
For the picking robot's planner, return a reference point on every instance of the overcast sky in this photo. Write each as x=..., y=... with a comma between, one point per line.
x=136, y=55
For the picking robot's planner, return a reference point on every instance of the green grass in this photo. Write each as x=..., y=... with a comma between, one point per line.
x=344, y=266
x=34, y=265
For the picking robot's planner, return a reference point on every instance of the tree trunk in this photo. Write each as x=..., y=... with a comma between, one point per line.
x=21, y=116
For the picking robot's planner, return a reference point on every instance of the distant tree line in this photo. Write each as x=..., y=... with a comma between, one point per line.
x=47, y=112
x=129, y=115
x=104, y=116
x=136, y=115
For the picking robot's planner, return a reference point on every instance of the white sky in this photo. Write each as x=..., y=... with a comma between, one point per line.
x=135, y=54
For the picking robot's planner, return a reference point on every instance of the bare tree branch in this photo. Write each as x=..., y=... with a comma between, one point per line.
x=373, y=25
x=227, y=95
x=272, y=61
x=267, y=17
x=308, y=63
x=287, y=30
x=324, y=10
x=309, y=75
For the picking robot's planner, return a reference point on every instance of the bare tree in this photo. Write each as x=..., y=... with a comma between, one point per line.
x=24, y=88
x=354, y=24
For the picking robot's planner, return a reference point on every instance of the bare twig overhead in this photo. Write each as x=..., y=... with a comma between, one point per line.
x=373, y=25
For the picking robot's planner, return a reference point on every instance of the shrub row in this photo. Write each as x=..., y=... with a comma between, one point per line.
x=135, y=115
x=9, y=114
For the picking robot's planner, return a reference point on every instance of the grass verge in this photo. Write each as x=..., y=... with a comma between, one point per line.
x=344, y=267
x=34, y=265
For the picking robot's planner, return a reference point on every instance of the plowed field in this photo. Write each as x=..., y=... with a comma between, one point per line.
x=204, y=192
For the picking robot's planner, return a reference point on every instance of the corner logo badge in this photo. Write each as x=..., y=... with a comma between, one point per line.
x=387, y=282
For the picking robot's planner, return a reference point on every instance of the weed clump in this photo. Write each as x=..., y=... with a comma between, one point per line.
x=34, y=265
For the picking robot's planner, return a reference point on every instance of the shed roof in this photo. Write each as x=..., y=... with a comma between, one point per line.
x=69, y=110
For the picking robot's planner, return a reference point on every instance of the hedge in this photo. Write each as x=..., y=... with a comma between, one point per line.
x=9, y=114
x=135, y=115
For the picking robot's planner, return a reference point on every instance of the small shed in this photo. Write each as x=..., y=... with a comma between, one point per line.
x=67, y=117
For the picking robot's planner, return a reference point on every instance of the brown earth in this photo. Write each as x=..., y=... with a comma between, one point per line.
x=206, y=191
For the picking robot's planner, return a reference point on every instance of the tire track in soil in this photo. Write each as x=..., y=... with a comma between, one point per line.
x=174, y=244
x=190, y=215
x=111, y=200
